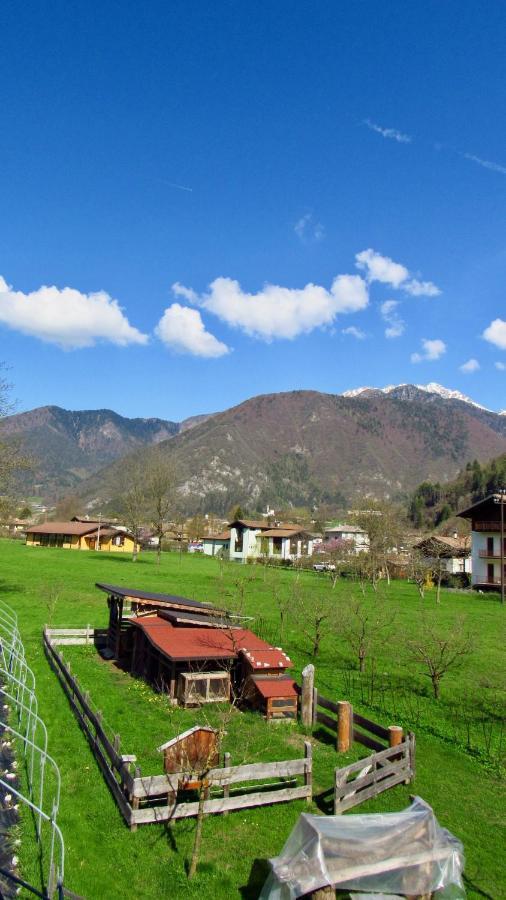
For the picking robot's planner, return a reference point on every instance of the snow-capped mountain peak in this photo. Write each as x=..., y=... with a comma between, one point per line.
x=431, y=388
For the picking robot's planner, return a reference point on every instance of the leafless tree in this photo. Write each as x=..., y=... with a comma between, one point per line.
x=365, y=626
x=12, y=458
x=133, y=501
x=438, y=649
x=315, y=615
x=160, y=492
x=420, y=571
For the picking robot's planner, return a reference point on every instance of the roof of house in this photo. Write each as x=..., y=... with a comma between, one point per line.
x=205, y=643
x=454, y=546
x=249, y=523
x=275, y=687
x=493, y=501
x=283, y=531
x=77, y=528
x=136, y=594
x=223, y=536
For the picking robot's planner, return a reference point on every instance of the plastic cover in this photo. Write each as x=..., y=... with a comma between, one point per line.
x=390, y=853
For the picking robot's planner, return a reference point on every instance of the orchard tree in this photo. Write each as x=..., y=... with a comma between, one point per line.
x=160, y=494
x=365, y=626
x=439, y=649
x=315, y=615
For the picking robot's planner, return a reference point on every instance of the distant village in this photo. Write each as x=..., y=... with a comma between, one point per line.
x=466, y=553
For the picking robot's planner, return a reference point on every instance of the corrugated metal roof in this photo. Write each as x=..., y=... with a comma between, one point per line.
x=136, y=594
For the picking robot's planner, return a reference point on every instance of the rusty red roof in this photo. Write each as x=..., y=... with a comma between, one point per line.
x=275, y=687
x=267, y=657
x=205, y=643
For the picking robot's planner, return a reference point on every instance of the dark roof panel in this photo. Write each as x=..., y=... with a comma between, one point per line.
x=136, y=594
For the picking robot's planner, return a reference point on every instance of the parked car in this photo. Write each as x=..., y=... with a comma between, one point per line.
x=324, y=567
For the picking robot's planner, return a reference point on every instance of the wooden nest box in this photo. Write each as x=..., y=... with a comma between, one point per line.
x=191, y=753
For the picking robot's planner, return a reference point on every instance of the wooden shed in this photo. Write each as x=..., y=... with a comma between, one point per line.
x=192, y=752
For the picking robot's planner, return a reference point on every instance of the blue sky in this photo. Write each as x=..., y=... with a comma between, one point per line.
x=203, y=201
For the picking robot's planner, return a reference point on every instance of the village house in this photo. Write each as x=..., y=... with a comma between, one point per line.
x=357, y=537
x=195, y=653
x=453, y=553
x=79, y=536
x=488, y=542
x=251, y=539
x=216, y=543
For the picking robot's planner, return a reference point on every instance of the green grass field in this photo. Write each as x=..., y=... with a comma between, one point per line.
x=459, y=738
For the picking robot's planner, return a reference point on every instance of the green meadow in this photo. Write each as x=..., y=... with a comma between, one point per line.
x=460, y=740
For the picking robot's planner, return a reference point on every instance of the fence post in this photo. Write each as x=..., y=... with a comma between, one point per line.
x=315, y=705
x=308, y=770
x=135, y=802
x=344, y=725
x=306, y=699
x=87, y=635
x=412, y=759
x=226, y=787
x=395, y=735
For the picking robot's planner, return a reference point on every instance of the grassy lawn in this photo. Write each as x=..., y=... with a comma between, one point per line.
x=458, y=744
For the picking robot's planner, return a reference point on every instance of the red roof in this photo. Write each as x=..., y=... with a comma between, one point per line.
x=275, y=687
x=267, y=657
x=179, y=643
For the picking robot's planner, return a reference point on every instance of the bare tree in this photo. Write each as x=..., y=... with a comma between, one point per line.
x=160, y=494
x=133, y=501
x=12, y=459
x=385, y=527
x=315, y=615
x=420, y=571
x=438, y=649
x=365, y=626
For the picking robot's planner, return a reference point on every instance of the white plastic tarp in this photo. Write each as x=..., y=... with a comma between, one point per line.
x=390, y=853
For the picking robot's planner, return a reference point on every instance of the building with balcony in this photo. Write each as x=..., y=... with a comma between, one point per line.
x=488, y=542
x=251, y=539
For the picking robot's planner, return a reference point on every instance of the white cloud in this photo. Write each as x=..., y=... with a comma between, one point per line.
x=66, y=317
x=421, y=288
x=308, y=229
x=183, y=330
x=432, y=349
x=354, y=332
x=395, y=325
x=385, y=270
x=486, y=164
x=179, y=290
x=472, y=365
x=501, y=366
x=496, y=333
x=279, y=312
x=391, y=133
x=381, y=268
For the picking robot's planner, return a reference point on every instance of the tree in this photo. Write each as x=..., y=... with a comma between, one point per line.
x=438, y=649
x=386, y=529
x=420, y=571
x=341, y=556
x=12, y=459
x=67, y=507
x=364, y=627
x=133, y=501
x=160, y=494
x=315, y=615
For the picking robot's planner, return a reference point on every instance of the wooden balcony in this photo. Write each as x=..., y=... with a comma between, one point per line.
x=484, y=554
x=487, y=526
x=492, y=582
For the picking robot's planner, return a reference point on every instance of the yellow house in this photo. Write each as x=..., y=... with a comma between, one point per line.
x=80, y=536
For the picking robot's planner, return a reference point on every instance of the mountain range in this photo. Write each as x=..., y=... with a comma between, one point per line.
x=300, y=447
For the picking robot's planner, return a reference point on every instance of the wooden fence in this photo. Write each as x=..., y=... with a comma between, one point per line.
x=349, y=726
x=369, y=777
x=153, y=798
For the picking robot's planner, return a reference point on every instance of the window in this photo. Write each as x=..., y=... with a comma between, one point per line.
x=196, y=688
x=239, y=540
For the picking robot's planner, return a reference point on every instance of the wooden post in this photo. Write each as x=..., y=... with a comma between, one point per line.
x=307, y=696
x=315, y=706
x=412, y=755
x=395, y=735
x=344, y=726
x=87, y=635
x=308, y=770
x=226, y=787
x=135, y=800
